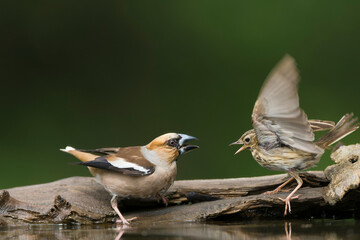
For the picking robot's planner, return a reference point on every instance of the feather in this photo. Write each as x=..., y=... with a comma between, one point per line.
x=346, y=125
x=119, y=165
x=321, y=125
x=101, y=151
x=277, y=117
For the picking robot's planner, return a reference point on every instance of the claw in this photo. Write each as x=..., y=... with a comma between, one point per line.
x=122, y=220
x=163, y=199
x=276, y=191
x=125, y=221
x=287, y=203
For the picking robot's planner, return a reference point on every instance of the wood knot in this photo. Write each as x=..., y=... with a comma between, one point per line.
x=61, y=203
x=353, y=158
x=4, y=197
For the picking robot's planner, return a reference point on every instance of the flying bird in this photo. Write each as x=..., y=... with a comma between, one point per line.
x=141, y=171
x=283, y=138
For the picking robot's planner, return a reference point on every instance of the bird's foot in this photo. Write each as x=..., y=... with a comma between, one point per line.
x=163, y=199
x=276, y=191
x=125, y=221
x=287, y=203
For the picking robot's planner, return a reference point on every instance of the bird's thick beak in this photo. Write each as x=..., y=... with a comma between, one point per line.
x=237, y=143
x=183, y=148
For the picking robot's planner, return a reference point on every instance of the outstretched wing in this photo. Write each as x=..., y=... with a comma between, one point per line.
x=277, y=117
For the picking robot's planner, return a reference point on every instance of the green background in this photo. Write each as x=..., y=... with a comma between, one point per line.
x=117, y=73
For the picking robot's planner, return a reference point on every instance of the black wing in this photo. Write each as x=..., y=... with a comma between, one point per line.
x=119, y=165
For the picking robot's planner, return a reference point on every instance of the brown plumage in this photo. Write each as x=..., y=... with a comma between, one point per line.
x=283, y=138
x=140, y=171
x=320, y=125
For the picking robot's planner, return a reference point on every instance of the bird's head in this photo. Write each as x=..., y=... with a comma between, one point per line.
x=248, y=139
x=170, y=145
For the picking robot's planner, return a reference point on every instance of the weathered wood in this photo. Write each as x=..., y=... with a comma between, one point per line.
x=83, y=200
x=344, y=175
x=236, y=187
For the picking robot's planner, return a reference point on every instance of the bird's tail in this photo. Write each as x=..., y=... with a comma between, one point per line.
x=321, y=125
x=344, y=127
x=82, y=156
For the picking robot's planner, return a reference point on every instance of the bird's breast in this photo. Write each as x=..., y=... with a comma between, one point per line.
x=284, y=158
x=137, y=186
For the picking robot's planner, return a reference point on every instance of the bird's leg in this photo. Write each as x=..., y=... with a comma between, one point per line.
x=163, y=199
x=121, y=232
x=122, y=220
x=288, y=230
x=279, y=188
x=290, y=196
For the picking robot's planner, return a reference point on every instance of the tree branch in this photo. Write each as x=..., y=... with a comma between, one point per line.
x=83, y=200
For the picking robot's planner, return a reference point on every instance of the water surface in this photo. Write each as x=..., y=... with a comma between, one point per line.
x=294, y=229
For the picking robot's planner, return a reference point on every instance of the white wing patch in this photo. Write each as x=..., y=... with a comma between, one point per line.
x=122, y=163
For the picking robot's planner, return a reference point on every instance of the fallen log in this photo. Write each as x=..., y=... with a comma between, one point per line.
x=82, y=200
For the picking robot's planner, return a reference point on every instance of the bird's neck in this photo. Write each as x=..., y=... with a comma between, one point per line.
x=254, y=146
x=154, y=157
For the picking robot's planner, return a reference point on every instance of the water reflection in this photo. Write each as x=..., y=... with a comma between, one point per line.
x=311, y=229
x=121, y=232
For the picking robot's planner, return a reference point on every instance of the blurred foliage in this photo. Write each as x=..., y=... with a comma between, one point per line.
x=118, y=73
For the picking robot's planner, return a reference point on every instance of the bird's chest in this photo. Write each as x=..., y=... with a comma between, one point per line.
x=158, y=182
x=164, y=178
x=261, y=159
x=142, y=186
x=256, y=156
x=267, y=161
x=284, y=159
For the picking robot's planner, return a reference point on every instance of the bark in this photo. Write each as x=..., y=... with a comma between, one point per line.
x=82, y=200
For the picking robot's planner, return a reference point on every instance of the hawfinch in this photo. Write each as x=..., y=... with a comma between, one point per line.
x=141, y=171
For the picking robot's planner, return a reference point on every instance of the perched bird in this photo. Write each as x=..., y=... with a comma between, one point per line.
x=141, y=171
x=283, y=138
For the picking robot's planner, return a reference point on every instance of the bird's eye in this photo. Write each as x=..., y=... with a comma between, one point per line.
x=247, y=140
x=171, y=143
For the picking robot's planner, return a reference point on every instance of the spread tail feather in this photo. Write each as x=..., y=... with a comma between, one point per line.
x=321, y=125
x=344, y=127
